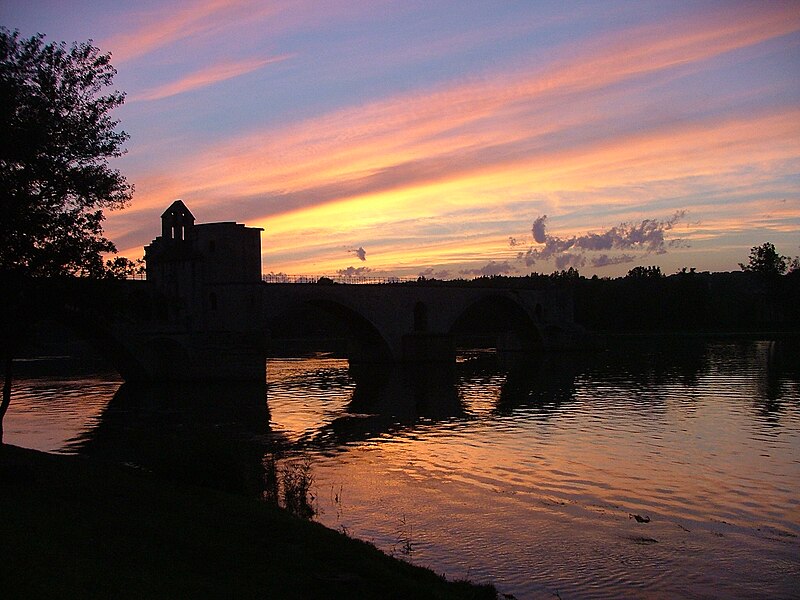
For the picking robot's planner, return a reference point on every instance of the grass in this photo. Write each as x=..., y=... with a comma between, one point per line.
x=77, y=528
x=296, y=478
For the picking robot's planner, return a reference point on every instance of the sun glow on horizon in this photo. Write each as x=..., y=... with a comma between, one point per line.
x=441, y=155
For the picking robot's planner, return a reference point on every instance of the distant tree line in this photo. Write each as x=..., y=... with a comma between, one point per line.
x=763, y=296
x=690, y=301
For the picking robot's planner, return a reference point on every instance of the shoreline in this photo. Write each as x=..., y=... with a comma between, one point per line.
x=78, y=527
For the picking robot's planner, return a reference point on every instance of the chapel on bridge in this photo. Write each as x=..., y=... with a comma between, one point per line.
x=225, y=252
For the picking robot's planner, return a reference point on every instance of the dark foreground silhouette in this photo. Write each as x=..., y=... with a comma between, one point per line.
x=77, y=528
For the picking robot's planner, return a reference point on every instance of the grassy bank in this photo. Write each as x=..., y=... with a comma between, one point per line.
x=75, y=528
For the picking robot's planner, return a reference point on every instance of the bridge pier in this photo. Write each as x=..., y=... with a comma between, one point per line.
x=196, y=356
x=412, y=348
x=424, y=347
x=510, y=341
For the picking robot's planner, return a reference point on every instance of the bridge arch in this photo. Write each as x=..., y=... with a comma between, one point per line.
x=314, y=316
x=95, y=329
x=498, y=320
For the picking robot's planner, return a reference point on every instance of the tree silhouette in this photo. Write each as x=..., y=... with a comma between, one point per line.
x=122, y=267
x=55, y=179
x=765, y=259
x=652, y=272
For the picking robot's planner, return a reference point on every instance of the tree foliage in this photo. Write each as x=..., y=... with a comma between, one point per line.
x=565, y=275
x=55, y=181
x=765, y=259
x=121, y=267
x=652, y=272
x=58, y=135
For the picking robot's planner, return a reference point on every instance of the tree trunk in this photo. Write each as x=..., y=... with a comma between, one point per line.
x=6, y=393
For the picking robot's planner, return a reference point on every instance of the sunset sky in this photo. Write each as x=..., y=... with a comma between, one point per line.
x=454, y=139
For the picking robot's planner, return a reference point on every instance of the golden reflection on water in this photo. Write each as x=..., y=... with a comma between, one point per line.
x=47, y=412
x=318, y=388
x=529, y=474
x=537, y=488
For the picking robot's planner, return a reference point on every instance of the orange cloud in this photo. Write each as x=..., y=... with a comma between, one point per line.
x=673, y=44
x=415, y=134
x=467, y=160
x=471, y=210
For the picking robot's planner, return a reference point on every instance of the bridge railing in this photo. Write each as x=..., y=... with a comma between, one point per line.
x=349, y=279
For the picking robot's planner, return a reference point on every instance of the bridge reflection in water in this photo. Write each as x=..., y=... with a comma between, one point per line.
x=203, y=434
x=519, y=470
x=218, y=434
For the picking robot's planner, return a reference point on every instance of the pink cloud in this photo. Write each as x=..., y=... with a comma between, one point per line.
x=507, y=125
x=167, y=26
x=150, y=31
x=206, y=77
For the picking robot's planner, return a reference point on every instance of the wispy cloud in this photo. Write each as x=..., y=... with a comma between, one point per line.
x=208, y=76
x=431, y=273
x=576, y=136
x=604, y=260
x=167, y=26
x=208, y=23
x=449, y=132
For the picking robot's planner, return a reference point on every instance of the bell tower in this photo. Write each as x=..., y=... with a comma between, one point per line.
x=176, y=222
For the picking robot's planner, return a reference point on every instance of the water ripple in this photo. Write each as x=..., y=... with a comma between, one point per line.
x=531, y=474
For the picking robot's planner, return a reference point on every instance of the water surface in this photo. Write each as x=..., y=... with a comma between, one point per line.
x=526, y=472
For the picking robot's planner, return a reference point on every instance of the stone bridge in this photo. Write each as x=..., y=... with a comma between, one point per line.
x=416, y=322
x=208, y=315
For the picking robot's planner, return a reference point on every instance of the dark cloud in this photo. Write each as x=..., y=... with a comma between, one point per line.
x=429, y=273
x=648, y=236
x=568, y=259
x=489, y=269
x=538, y=229
x=398, y=176
x=604, y=260
x=354, y=271
x=359, y=252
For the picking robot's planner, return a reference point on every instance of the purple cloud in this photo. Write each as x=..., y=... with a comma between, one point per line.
x=570, y=259
x=604, y=260
x=429, y=273
x=489, y=269
x=538, y=229
x=359, y=252
x=354, y=271
x=648, y=236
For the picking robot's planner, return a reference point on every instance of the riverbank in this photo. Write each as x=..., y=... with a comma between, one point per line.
x=74, y=527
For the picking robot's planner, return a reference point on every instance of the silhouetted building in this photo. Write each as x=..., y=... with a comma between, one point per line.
x=225, y=252
x=199, y=269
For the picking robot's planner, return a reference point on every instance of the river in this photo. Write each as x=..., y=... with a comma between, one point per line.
x=656, y=469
